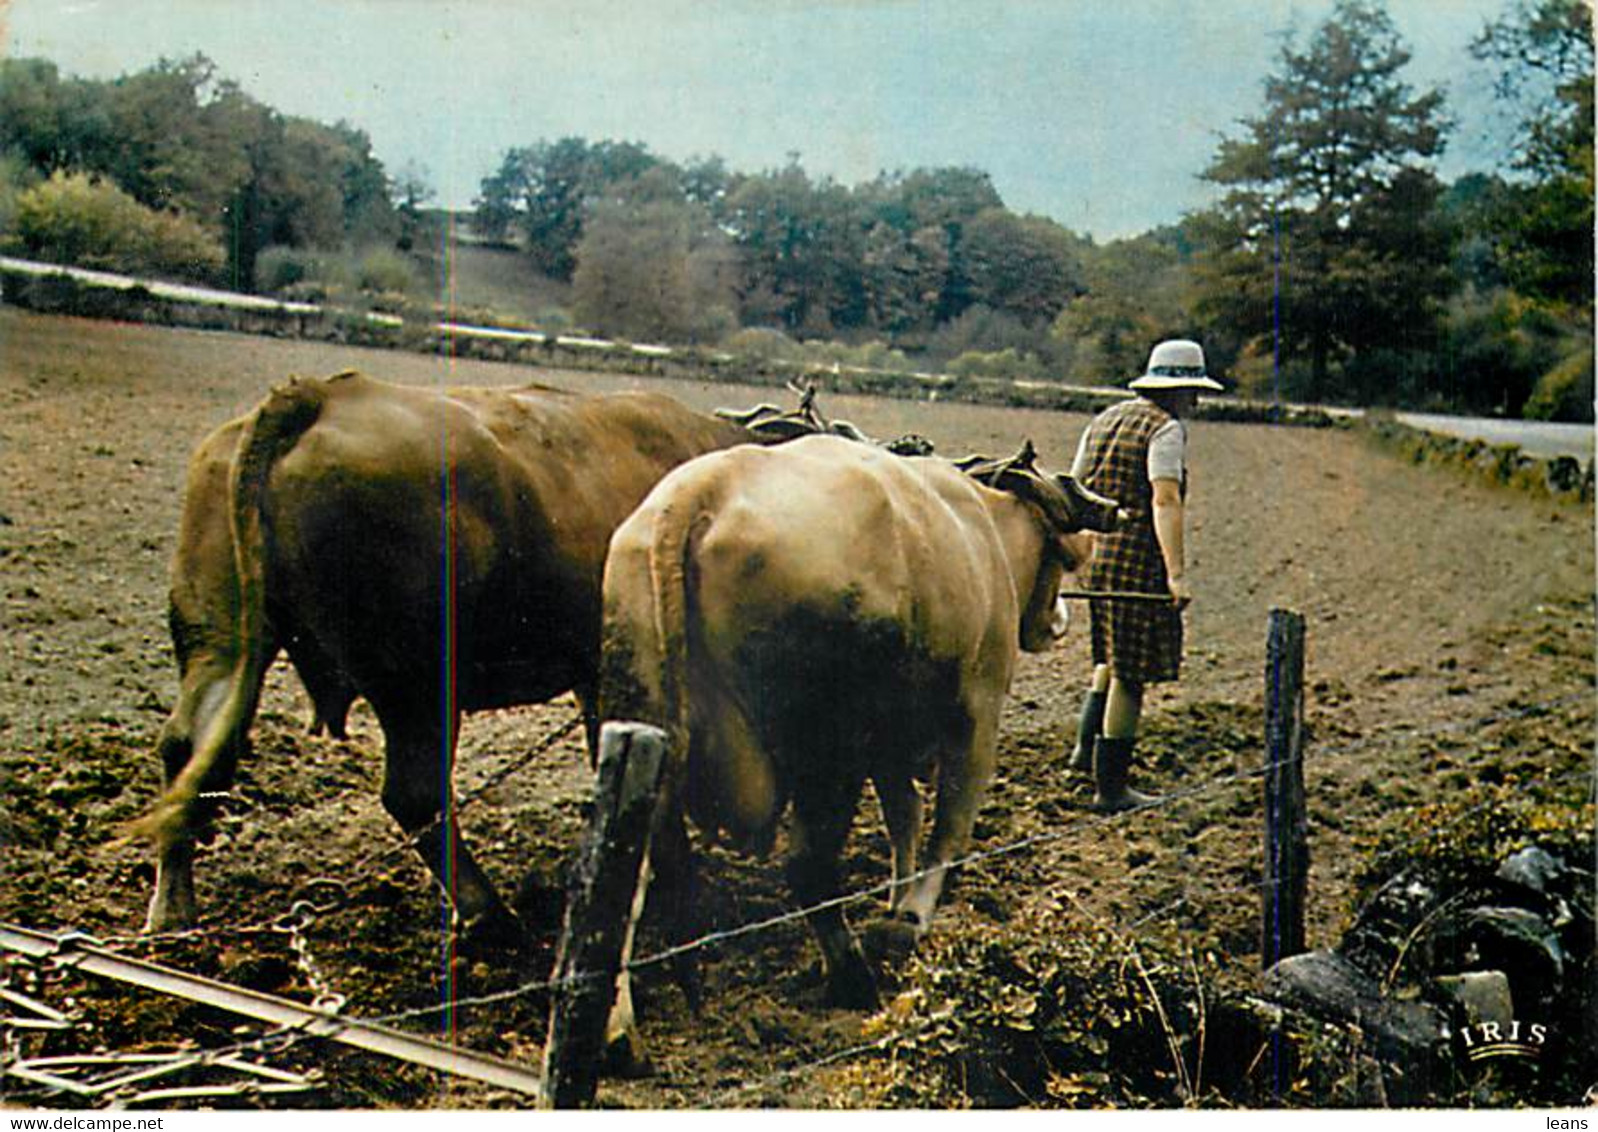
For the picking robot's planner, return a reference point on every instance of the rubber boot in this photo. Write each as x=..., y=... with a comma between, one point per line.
x=1087, y=730
x=1111, y=764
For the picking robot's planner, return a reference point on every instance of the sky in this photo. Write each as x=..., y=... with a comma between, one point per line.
x=1099, y=114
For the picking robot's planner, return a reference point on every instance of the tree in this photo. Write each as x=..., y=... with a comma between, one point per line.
x=1132, y=297
x=1025, y=266
x=546, y=187
x=1311, y=238
x=652, y=266
x=299, y=184
x=51, y=123
x=1544, y=52
x=800, y=244
x=936, y=206
x=179, y=138
x=176, y=143
x=413, y=188
x=902, y=277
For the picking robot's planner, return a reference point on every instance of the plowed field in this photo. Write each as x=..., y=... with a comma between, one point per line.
x=1450, y=645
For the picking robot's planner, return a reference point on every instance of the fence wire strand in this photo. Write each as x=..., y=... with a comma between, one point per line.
x=280, y=1039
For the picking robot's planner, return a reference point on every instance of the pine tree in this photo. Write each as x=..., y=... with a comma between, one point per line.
x=1325, y=246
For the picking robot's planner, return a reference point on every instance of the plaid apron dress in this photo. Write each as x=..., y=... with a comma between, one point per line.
x=1141, y=641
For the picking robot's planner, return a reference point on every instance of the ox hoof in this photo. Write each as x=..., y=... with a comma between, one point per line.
x=889, y=941
x=625, y=1058
x=170, y=912
x=539, y=905
x=496, y=931
x=853, y=988
x=690, y=980
x=162, y=923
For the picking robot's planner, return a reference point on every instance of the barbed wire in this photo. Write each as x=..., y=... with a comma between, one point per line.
x=1121, y=931
x=283, y=1038
x=401, y=842
x=755, y=927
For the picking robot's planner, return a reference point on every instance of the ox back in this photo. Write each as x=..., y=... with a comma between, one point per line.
x=435, y=551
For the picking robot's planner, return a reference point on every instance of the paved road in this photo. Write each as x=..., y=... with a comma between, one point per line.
x=1536, y=438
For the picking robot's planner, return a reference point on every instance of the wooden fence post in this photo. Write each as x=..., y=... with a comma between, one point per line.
x=599, y=902
x=1286, y=826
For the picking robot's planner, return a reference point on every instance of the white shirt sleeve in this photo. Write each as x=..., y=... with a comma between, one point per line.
x=1079, y=466
x=1168, y=451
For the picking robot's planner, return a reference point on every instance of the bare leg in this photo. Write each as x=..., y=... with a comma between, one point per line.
x=1124, y=708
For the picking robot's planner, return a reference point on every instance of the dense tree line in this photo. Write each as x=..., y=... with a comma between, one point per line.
x=657, y=248
x=1336, y=265
x=191, y=149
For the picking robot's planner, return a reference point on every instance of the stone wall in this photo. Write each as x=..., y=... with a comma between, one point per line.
x=1563, y=478
x=59, y=293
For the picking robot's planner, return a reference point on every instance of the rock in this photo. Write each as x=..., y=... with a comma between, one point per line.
x=1387, y=922
x=1563, y=475
x=1484, y=995
x=1521, y=943
x=1328, y=986
x=1532, y=868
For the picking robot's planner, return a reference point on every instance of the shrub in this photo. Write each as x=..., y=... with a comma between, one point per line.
x=865, y=355
x=385, y=272
x=169, y=243
x=554, y=320
x=761, y=343
x=1005, y=363
x=980, y=329
x=1565, y=393
x=16, y=177
x=76, y=219
x=280, y=268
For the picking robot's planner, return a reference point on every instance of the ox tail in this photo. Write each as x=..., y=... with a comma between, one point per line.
x=271, y=432
x=647, y=609
x=668, y=587
x=669, y=576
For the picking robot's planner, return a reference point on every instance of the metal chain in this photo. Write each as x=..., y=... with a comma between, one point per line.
x=297, y=924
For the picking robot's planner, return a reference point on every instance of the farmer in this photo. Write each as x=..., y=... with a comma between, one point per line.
x=1135, y=452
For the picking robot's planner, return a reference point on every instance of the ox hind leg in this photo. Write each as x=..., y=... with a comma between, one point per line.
x=419, y=754
x=963, y=774
x=207, y=681
x=901, y=813
x=666, y=869
x=587, y=695
x=892, y=938
x=823, y=812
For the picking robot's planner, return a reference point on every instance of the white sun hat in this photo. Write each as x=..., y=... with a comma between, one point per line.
x=1176, y=364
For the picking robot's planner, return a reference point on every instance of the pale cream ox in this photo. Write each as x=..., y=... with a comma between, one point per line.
x=805, y=618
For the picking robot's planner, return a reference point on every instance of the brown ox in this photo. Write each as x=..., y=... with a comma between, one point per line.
x=435, y=551
x=803, y=618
